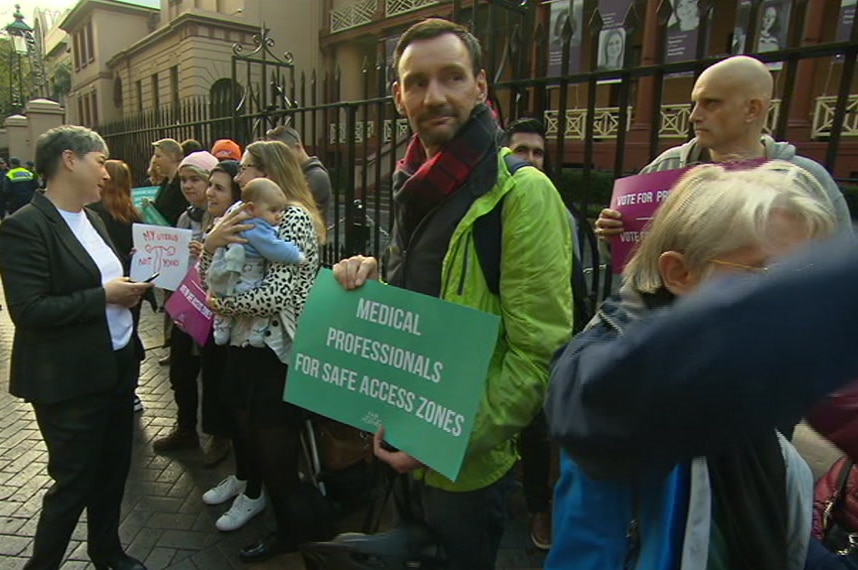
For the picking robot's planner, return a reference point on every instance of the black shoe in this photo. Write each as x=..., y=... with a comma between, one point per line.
x=267, y=548
x=121, y=562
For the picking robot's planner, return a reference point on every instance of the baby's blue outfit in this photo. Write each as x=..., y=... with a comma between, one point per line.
x=239, y=267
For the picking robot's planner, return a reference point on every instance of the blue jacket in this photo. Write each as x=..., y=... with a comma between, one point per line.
x=262, y=241
x=621, y=469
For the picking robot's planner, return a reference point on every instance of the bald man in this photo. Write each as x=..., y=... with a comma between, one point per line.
x=731, y=103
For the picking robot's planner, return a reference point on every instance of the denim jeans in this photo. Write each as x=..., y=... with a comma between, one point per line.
x=469, y=525
x=820, y=558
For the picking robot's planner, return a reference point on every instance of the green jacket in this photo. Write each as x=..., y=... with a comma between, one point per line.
x=535, y=306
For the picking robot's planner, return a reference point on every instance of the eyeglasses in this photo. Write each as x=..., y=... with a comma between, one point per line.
x=742, y=266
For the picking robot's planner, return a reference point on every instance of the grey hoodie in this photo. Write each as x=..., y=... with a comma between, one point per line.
x=319, y=182
x=689, y=153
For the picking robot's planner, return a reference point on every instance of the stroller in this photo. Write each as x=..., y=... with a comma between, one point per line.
x=408, y=546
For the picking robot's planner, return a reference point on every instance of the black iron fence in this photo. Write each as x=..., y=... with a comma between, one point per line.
x=360, y=141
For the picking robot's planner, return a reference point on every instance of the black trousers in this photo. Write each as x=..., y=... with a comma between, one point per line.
x=185, y=367
x=535, y=451
x=89, y=454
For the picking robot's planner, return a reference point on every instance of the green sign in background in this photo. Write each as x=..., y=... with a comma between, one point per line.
x=384, y=355
x=143, y=192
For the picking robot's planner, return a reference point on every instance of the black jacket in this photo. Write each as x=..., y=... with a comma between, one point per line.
x=62, y=347
x=170, y=200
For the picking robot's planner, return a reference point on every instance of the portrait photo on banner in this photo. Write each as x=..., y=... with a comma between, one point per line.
x=773, y=27
x=685, y=16
x=561, y=10
x=740, y=28
x=612, y=49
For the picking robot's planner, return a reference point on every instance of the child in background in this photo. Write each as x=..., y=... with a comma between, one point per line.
x=241, y=267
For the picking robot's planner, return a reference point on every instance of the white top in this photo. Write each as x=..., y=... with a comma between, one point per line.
x=119, y=319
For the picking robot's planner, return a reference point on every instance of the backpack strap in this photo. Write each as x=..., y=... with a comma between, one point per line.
x=488, y=233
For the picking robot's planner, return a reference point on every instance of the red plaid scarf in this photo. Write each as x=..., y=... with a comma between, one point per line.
x=430, y=180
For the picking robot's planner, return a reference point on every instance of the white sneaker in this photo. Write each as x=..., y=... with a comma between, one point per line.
x=225, y=490
x=242, y=510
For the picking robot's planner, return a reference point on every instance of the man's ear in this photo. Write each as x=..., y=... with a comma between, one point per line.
x=397, y=98
x=756, y=110
x=482, y=86
x=675, y=274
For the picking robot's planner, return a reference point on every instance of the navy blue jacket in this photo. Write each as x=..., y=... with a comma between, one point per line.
x=732, y=360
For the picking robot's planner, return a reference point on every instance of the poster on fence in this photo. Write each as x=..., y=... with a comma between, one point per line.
x=380, y=355
x=612, y=37
x=160, y=250
x=683, y=32
x=561, y=10
x=740, y=27
x=772, y=29
x=844, y=22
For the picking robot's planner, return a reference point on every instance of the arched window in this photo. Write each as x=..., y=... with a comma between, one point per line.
x=224, y=98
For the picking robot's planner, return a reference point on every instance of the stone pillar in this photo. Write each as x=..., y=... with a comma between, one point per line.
x=43, y=114
x=18, y=131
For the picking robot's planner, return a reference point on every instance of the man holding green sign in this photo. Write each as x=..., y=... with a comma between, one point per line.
x=453, y=175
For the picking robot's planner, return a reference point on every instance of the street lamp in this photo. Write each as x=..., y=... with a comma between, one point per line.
x=18, y=32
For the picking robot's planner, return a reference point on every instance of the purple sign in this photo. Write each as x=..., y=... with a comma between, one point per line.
x=561, y=10
x=637, y=198
x=682, y=31
x=847, y=17
x=614, y=12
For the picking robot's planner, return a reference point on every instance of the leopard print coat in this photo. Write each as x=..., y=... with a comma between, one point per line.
x=283, y=292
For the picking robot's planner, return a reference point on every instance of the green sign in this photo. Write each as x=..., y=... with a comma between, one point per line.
x=383, y=355
x=138, y=194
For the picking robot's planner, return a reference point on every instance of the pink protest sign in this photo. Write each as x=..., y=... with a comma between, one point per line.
x=637, y=198
x=187, y=307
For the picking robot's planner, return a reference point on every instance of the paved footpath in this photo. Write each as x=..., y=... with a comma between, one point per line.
x=165, y=524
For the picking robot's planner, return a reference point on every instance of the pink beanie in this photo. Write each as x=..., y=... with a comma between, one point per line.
x=201, y=160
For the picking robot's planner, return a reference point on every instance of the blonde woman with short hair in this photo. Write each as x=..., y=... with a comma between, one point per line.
x=640, y=489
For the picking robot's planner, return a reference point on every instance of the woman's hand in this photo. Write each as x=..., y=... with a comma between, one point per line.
x=609, y=224
x=124, y=292
x=227, y=229
x=196, y=248
x=211, y=301
x=353, y=272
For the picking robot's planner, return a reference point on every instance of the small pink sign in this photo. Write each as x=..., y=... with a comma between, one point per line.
x=637, y=198
x=187, y=307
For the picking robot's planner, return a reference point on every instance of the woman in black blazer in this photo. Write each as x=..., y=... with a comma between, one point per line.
x=73, y=357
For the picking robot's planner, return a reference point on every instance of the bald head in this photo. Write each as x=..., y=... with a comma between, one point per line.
x=731, y=105
x=746, y=75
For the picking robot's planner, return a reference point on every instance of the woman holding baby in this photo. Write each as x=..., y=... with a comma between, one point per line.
x=256, y=371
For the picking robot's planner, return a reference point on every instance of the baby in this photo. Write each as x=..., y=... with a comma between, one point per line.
x=241, y=267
